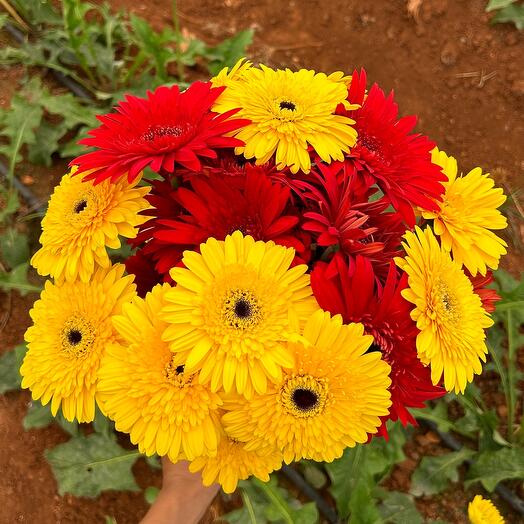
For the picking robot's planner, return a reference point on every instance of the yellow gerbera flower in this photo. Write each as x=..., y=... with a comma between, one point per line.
x=448, y=313
x=151, y=397
x=233, y=463
x=467, y=214
x=332, y=398
x=483, y=511
x=289, y=110
x=226, y=76
x=84, y=218
x=230, y=311
x=72, y=328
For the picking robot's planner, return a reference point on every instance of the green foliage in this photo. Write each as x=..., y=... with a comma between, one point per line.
x=86, y=466
x=433, y=474
x=507, y=11
x=491, y=467
x=398, y=508
x=151, y=494
x=39, y=416
x=229, y=51
x=10, y=363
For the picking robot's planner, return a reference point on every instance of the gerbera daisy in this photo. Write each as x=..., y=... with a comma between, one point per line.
x=230, y=311
x=332, y=398
x=233, y=463
x=467, y=215
x=289, y=111
x=164, y=129
x=483, y=511
x=448, y=313
x=143, y=268
x=227, y=75
x=81, y=220
x=215, y=207
x=385, y=314
x=398, y=162
x=148, y=393
x=71, y=330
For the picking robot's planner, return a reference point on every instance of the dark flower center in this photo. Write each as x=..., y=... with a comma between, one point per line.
x=80, y=206
x=304, y=399
x=285, y=104
x=158, y=131
x=179, y=369
x=74, y=337
x=242, y=308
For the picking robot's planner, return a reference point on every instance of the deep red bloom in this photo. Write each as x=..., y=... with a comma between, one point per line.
x=488, y=296
x=388, y=155
x=341, y=214
x=144, y=270
x=214, y=206
x=164, y=129
x=356, y=295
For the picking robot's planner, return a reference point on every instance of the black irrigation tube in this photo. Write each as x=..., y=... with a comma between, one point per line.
x=291, y=474
x=311, y=493
x=451, y=442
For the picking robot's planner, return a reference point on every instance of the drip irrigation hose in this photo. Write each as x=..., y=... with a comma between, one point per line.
x=311, y=493
x=451, y=442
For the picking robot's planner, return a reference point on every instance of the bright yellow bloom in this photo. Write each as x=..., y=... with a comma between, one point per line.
x=148, y=394
x=233, y=463
x=467, y=214
x=289, y=110
x=483, y=511
x=448, y=313
x=72, y=329
x=332, y=398
x=226, y=76
x=230, y=311
x=82, y=219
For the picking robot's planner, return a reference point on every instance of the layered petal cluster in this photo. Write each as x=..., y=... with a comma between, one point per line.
x=229, y=314
x=71, y=331
x=289, y=112
x=483, y=511
x=448, y=313
x=166, y=129
x=331, y=398
x=468, y=214
x=82, y=220
x=148, y=395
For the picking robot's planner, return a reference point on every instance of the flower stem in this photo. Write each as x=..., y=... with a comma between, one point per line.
x=512, y=354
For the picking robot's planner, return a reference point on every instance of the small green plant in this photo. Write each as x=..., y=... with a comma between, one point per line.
x=507, y=11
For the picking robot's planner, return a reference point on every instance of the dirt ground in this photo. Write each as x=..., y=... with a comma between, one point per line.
x=463, y=77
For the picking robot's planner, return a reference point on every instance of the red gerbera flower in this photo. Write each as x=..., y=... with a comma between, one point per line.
x=213, y=206
x=385, y=314
x=341, y=215
x=143, y=268
x=386, y=154
x=165, y=129
x=489, y=297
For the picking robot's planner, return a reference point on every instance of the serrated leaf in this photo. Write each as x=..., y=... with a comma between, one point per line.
x=512, y=13
x=399, y=508
x=252, y=512
x=9, y=202
x=362, y=507
x=433, y=474
x=491, y=467
x=86, y=466
x=228, y=52
x=39, y=416
x=16, y=279
x=10, y=363
x=46, y=143
x=14, y=247
x=497, y=4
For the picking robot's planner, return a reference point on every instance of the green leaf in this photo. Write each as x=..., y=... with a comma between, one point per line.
x=46, y=143
x=153, y=461
x=314, y=474
x=151, y=494
x=252, y=512
x=102, y=424
x=497, y=4
x=86, y=466
x=10, y=363
x=14, y=247
x=399, y=508
x=493, y=466
x=109, y=520
x=362, y=507
x=17, y=279
x=512, y=13
x=228, y=52
x=9, y=202
x=433, y=474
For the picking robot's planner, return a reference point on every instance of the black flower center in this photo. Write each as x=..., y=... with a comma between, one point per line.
x=179, y=369
x=74, y=337
x=304, y=399
x=80, y=206
x=285, y=104
x=242, y=308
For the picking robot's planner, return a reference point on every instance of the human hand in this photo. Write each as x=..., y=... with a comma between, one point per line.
x=183, y=499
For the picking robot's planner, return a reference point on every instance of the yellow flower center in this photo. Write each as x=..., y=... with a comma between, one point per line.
x=175, y=374
x=304, y=396
x=285, y=110
x=241, y=309
x=446, y=302
x=77, y=337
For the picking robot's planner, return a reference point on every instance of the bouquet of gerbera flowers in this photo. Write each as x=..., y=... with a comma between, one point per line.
x=305, y=269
